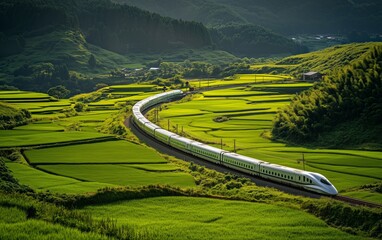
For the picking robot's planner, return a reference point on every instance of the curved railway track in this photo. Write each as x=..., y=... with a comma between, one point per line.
x=163, y=148
x=355, y=201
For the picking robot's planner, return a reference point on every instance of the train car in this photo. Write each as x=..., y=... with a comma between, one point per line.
x=163, y=135
x=206, y=152
x=150, y=128
x=181, y=143
x=242, y=163
x=303, y=179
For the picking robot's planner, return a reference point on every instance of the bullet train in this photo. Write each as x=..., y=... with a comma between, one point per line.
x=302, y=179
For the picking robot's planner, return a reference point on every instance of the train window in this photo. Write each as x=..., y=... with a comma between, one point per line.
x=325, y=182
x=303, y=178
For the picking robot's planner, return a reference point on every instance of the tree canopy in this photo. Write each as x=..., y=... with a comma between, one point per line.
x=351, y=94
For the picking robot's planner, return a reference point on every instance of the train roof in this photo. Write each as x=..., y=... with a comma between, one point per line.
x=283, y=168
x=243, y=158
x=183, y=139
x=151, y=125
x=208, y=147
x=168, y=133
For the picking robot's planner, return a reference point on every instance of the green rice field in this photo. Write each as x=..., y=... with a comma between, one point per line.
x=238, y=79
x=201, y=218
x=7, y=139
x=87, y=167
x=76, y=158
x=246, y=115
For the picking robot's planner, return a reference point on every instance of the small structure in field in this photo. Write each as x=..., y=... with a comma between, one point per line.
x=312, y=76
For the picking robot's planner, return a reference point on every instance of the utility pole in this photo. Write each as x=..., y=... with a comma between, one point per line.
x=176, y=128
x=221, y=143
x=168, y=124
x=234, y=145
x=302, y=160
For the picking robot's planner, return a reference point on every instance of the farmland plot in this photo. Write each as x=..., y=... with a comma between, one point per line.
x=245, y=115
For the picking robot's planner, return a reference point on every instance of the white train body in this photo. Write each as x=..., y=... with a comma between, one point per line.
x=303, y=179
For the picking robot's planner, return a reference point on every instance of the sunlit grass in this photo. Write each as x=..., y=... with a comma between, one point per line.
x=200, y=218
x=48, y=138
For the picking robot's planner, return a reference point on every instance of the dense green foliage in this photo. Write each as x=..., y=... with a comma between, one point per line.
x=11, y=117
x=252, y=40
x=49, y=43
x=111, y=26
x=353, y=94
x=348, y=218
x=8, y=183
x=298, y=16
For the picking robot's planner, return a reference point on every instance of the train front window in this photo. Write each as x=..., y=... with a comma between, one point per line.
x=325, y=182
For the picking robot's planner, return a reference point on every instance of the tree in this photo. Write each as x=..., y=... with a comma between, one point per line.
x=58, y=92
x=92, y=61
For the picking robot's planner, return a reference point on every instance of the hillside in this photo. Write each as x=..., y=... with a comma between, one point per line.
x=253, y=41
x=111, y=26
x=57, y=58
x=11, y=117
x=229, y=31
x=79, y=43
x=286, y=17
x=324, y=61
x=342, y=111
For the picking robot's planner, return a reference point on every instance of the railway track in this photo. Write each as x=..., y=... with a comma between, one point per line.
x=354, y=201
x=163, y=148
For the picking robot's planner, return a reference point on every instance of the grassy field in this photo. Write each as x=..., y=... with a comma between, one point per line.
x=105, y=152
x=246, y=115
x=98, y=161
x=238, y=79
x=112, y=162
x=10, y=140
x=15, y=225
x=201, y=218
x=42, y=181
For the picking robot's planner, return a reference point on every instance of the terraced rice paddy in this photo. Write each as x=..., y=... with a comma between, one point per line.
x=48, y=138
x=200, y=218
x=238, y=79
x=95, y=165
x=85, y=160
x=245, y=114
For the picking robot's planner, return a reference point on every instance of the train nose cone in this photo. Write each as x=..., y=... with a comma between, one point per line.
x=332, y=190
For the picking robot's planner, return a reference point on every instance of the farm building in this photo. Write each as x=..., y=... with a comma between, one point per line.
x=312, y=76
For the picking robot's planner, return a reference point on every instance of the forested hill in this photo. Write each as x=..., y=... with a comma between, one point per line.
x=11, y=117
x=345, y=110
x=253, y=41
x=108, y=25
x=286, y=17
